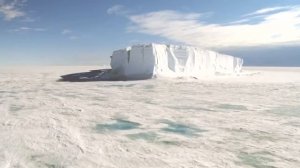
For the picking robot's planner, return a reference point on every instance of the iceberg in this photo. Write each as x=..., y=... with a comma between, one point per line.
x=140, y=62
x=155, y=60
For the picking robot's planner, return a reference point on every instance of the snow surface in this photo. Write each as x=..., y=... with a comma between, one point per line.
x=252, y=120
x=147, y=61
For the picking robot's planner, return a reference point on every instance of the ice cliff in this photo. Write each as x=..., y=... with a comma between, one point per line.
x=153, y=60
x=158, y=60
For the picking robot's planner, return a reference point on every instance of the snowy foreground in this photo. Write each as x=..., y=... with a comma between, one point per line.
x=251, y=120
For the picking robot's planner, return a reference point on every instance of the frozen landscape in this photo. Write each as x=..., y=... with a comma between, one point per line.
x=178, y=96
x=251, y=119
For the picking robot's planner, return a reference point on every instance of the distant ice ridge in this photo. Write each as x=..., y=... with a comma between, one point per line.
x=154, y=60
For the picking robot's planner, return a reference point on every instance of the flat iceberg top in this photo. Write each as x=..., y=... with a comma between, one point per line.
x=153, y=60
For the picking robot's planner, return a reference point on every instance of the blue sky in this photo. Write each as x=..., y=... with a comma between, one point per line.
x=85, y=32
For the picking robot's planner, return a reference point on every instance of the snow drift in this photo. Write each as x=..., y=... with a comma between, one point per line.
x=154, y=60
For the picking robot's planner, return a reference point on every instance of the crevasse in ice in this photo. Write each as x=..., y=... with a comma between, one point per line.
x=153, y=60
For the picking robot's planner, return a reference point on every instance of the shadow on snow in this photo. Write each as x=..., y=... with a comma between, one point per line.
x=101, y=75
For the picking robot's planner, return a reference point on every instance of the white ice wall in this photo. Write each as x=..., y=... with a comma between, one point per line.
x=172, y=61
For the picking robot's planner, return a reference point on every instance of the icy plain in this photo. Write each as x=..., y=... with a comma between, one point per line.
x=251, y=120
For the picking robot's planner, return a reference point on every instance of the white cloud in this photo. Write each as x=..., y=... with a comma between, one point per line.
x=268, y=10
x=117, y=10
x=66, y=31
x=240, y=21
x=28, y=29
x=70, y=34
x=275, y=28
x=11, y=9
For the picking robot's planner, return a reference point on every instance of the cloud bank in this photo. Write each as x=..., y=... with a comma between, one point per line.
x=269, y=26
x=11, y=9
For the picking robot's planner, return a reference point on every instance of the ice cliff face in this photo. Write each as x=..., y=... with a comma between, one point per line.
x=147, y=61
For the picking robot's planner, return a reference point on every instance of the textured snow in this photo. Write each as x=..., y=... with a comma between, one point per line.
x=146, y=61
x=252, y=120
